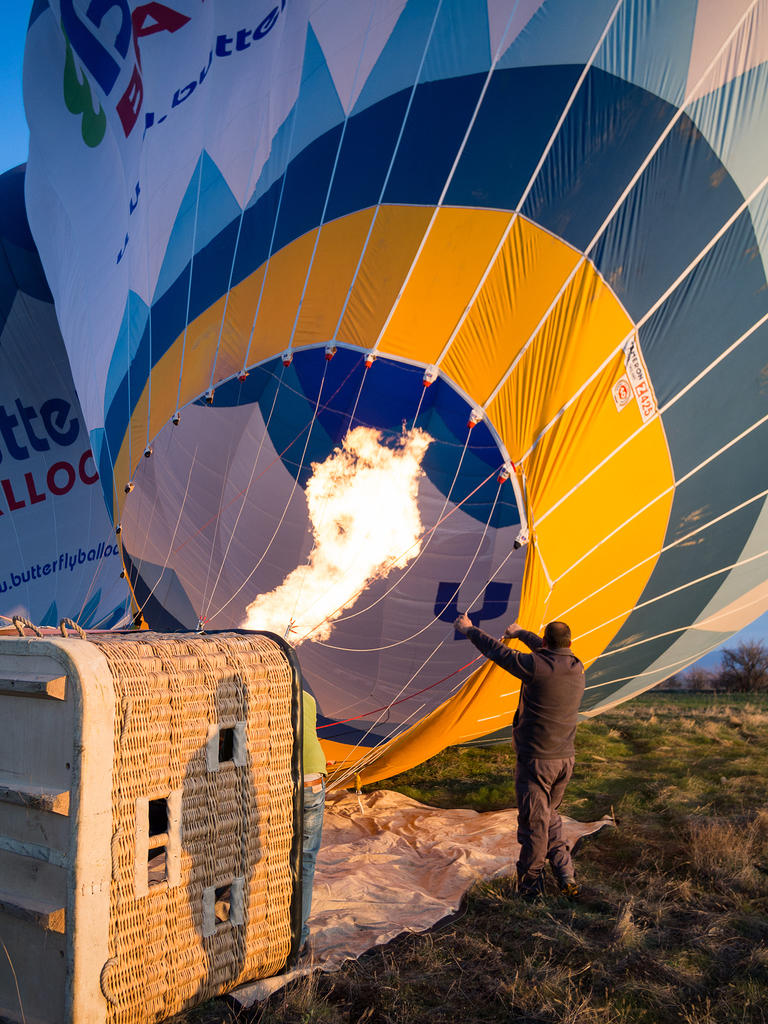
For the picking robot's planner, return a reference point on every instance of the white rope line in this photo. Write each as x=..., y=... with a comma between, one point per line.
x=405, y=640
x=656, y=415
x=689, y=98
x=418, y=407
x=233, y=443
x=526, y=191
x=290, y=496
x=270, y=251
x=385, y=712
x=429, y=535
x=331, y=181
x=670, y=593
x=667, y=547
x=303, y=578
x=170, y=545
x=373, y=751
x=395, y=151
x=609, y=218
x=689, y=659
x=116, y=507
x=734, y=441
x=245, y=497
x=357, y=398
x=189, y=285
x=747, y=334
x=438, y=206
x=97, y=569
x=355, y=769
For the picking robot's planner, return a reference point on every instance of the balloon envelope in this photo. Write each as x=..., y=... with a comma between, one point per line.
x=60, y=555
x=277, y=224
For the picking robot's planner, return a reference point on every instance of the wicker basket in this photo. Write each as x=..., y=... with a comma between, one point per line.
x=150, y=803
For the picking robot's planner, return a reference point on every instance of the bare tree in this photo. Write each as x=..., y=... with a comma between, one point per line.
x=745, y=667
x=697, y=678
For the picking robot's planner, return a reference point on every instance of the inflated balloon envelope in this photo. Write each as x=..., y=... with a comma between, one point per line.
x=534, y=231
x=59, y=555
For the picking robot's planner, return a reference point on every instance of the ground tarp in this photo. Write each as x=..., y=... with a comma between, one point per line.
x=389, y=864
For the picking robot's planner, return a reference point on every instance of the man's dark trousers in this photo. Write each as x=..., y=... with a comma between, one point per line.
x=540, y=786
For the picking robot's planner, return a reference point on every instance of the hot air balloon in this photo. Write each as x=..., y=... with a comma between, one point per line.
x=60, y=557
x=494, y=273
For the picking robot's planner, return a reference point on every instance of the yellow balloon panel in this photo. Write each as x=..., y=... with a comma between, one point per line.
x=333, y=271
x=485, y=703
x=392, y=247
x=609, y=580
x=585, y=326
x=450, y=266
x=286, y=274
x=521, y=286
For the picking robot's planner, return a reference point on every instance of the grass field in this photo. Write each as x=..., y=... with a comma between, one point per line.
x=673, y=922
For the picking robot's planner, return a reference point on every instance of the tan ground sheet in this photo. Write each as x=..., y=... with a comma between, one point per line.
x=389, y=864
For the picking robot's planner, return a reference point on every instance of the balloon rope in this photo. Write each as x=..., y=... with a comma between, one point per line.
x=317, y=236
x=518, y=207
x=244, y=494
x=373, y=751
x=363, y=379
x=270, y=251
x=189, y=285
x=662, y=671
x=661, y=551
x=385, y=183
x=401, y=700
x=657, y=415
x=460, y=152
x=173, y=537
x=331, y=180
x=306, y=427
x=234, y=440
x=295, y=481
x=97, y=569
x=668, y=593
x=418, y=407
x=616, y=207
x=393, y=560
x=405, y=640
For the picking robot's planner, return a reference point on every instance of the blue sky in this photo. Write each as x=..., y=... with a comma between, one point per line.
x=14, y=143
x=14, y=136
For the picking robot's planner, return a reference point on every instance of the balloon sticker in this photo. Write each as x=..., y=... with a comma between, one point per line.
x=622, y=393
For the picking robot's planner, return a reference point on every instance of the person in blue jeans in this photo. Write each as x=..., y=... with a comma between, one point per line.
x=314, y=807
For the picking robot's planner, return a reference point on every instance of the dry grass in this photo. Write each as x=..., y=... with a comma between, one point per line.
x=672, y=927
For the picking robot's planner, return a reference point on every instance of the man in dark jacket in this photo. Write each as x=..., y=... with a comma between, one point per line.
x=544, y=727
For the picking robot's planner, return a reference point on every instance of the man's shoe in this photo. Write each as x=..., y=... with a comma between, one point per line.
x=530, y=887
x=569, y=888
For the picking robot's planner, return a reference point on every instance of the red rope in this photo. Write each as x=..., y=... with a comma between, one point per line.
x=375, y=711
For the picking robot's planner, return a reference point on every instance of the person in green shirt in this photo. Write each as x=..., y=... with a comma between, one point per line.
x=314, y=807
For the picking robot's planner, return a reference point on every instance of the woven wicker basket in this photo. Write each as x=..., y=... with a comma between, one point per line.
x=150, y=801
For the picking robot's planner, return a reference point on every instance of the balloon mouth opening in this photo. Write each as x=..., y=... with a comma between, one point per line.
x=237, y=476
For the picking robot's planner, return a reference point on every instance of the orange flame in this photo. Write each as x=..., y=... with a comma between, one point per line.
x=363, y=507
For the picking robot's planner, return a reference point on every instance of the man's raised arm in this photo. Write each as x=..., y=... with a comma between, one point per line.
x=520, y=665
x=515, y=632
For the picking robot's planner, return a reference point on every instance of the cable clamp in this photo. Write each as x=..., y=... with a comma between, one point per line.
x=521, y=539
